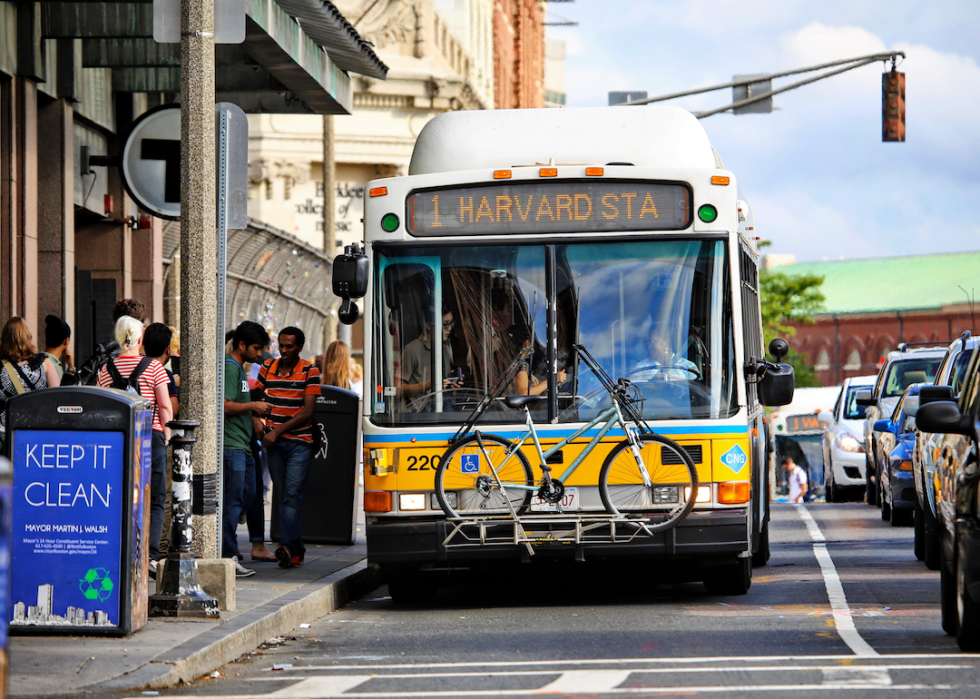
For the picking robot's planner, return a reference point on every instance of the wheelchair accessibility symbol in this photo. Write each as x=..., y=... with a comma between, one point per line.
x=469, y=463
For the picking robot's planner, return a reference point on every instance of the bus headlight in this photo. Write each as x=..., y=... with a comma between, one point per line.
x=665, y=495
x=411, y=501
x=704, y=493
x=452, y=499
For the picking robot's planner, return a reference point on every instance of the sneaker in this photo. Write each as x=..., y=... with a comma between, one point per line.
x=240, y=570
x=296, y=561
x=285, y=560
x=153, y=570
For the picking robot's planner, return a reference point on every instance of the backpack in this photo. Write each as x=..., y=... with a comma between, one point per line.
x=129, y=384
x=88, y=373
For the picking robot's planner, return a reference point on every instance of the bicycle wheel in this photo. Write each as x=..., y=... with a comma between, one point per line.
x=466, y=486
x=673, y=481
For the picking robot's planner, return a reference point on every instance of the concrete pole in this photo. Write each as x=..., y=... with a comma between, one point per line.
x=329, y=217
x=198, y=250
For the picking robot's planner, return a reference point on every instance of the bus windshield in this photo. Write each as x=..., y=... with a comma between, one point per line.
x=657, y=312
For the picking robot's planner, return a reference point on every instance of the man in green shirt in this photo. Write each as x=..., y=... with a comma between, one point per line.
x=239, y=468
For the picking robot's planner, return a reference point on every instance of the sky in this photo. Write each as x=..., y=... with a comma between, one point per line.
x=821, y=183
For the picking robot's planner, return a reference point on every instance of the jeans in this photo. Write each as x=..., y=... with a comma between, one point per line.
x=289, y=466
x=158, y=491
x=238, y=490
x=255, y=510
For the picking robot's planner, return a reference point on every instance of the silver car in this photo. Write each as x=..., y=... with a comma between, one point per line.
x=901, y=369
x=843, y=442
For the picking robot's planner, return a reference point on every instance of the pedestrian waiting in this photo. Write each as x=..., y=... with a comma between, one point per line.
x=247, y=344
x=22, y=368
x=57, y=337
x=291, y=385
x=151, y=380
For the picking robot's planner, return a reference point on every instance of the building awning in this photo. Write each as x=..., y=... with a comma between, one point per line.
x=296, y=56
x=274, y=279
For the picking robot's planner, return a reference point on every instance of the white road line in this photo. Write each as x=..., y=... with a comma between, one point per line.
x=323, y=686
x=835, y=590
x=968, y=660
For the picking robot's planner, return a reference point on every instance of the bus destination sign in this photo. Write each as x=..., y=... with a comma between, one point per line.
x=550, y=207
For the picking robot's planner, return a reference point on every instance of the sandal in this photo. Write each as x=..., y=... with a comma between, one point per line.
x=264, y=559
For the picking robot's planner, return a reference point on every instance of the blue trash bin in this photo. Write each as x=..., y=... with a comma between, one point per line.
x=80, y=514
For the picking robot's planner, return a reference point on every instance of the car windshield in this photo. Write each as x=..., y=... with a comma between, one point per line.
x=905, y=372
x=853, y=411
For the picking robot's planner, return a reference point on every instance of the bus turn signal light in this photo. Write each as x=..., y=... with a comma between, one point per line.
x=734, y=493
x=548, y=172
x=594, y=171
x=377, y=501
x=378, y=191
x=718, y=179
x=501, y=174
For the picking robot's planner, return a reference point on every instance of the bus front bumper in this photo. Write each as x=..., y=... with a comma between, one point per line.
x=701, y=534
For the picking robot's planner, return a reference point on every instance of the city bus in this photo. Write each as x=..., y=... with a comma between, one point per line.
x=527, y=233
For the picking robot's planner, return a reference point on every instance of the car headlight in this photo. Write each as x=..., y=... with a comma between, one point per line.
x=846, y=442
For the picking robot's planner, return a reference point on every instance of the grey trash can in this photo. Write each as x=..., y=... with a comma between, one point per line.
x=330, y=505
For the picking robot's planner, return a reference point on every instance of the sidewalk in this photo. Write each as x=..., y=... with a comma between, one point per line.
x=166, y=651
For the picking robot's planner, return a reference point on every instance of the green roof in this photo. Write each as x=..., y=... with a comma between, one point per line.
x=912, y=283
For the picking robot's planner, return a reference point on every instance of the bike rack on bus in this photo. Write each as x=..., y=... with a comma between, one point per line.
x=579, y=529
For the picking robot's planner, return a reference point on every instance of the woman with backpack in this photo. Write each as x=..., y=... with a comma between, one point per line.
x=22, y=369
x=133, y=372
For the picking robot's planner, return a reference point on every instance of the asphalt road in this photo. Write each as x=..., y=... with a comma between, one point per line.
x=855, y=615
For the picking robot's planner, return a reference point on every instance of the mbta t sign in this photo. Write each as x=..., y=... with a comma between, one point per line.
x=150, y=164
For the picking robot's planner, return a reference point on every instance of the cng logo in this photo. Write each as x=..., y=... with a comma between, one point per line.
x=735, y=458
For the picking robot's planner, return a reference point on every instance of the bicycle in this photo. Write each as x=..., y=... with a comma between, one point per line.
x=646, y=474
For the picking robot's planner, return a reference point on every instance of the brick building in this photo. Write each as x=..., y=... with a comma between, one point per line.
x=518, y=67
x=874, y=304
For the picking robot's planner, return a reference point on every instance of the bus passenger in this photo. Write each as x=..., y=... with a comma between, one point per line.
x=526, y=383
x=416, y=367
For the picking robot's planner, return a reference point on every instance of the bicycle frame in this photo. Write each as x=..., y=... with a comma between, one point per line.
x=610, y=416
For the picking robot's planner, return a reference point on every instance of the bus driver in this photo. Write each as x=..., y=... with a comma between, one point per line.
x=663, y=362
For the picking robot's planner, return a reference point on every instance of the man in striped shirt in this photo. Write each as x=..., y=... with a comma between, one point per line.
x=291, y=385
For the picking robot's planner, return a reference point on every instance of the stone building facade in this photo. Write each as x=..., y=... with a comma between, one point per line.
x=440, y=55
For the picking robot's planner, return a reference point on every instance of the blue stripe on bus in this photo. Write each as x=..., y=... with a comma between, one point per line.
x=549, y=434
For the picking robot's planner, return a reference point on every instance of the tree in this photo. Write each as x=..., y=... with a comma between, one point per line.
x=789, y=299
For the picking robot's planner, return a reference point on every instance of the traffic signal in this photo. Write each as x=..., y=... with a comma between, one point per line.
x=893, y=106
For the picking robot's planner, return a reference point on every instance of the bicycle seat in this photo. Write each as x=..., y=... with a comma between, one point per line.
x=517, y=402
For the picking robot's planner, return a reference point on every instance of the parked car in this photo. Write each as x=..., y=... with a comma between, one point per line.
x=947, y=386
x=958, y=505
x=896, y=436
x=907, y=365
x=843, y=442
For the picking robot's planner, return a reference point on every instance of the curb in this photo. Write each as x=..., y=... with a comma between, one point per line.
x=210, y=650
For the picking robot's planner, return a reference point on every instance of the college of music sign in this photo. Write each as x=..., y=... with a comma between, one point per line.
x=553, y=207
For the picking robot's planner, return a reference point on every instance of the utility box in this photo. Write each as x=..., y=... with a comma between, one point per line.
x=81, y=493
x=330, y=505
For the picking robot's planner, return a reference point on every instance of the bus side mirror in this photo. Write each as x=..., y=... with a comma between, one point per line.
x=777, y=388
x=778, y=348
x=350, y=273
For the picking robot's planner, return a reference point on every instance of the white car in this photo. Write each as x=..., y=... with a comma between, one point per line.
x=843, y=442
